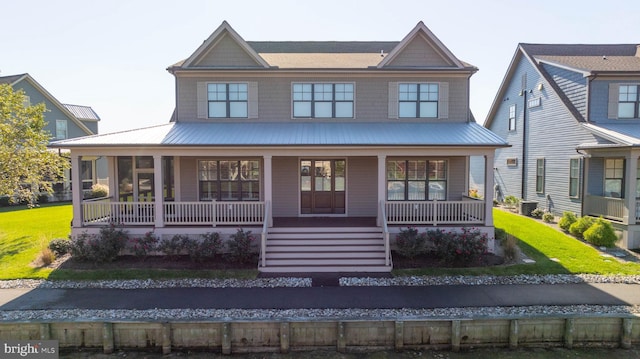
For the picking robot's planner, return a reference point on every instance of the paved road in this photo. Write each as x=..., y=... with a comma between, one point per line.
x=322, y=297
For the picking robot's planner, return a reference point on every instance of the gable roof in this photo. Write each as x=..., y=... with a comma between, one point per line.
x=325, y=54
x=234, y=134
x=619, y=134
x=588, y=59
x=15, y=79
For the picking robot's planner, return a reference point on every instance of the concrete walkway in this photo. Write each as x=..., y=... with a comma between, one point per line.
x=328, y=297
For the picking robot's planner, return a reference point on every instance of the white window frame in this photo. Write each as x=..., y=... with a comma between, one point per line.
x=62, y=129
x=512, y=117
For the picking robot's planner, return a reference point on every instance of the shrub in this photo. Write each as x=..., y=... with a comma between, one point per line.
x=99, y=190
x=46, y=256
x=207, y=248
x=174, y=246
x=410, y=243
x=59, y=246
x=103, y=247
x=548, y=217
x=581, y=225
x=500, y=234
x=143, y=246
x=510, y=248
x=43, y=198
x=568, y=218
x=537, y=213
x=459, y=248
x=240, y=246
x=511, y=201
x=601, y=233
x=5, y=201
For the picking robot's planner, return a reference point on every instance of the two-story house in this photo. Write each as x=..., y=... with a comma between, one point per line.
x=572, y=116
x=64, y=121
x=324, y=148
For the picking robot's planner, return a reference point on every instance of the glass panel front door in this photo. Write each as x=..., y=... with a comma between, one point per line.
x=322, y=186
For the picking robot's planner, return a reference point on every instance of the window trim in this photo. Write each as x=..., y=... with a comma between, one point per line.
x=636, y=102
x=621, y=179
x=218, y=181
x=577, y=179
x=418, y=101
x=540, y=175
x=333, y=100
x=426, y=181
x=512, y=117
x=227, y=101
x=59, y=135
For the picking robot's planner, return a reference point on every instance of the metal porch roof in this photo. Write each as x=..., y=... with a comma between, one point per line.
x=296, y=134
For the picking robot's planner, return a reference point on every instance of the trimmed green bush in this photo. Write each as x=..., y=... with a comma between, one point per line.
x=581, y=225
x=537, y=213
x=548, y=217
x=601, y=233
x=568, y=218
x=410, y=243
x=60, y=246
x=173, y=247
x=240, y=248
x=103, y=247
x=459, y=248
x=141, y=247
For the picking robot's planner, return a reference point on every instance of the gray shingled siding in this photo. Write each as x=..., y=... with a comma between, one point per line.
x=598, y=107
x=457, y=178
x=371, y=101
x=226, y=53
x=596, y=176
x=417, y=53
x=572, y=84
x=362, y=186
x=285, y=186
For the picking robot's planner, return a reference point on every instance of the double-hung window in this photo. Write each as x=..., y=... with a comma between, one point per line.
x=628, y=101
x=418, y=100
x=227, y=100
x=61, y=129
x=614, y=177
x=540, y=175
x=229, y=180
x=323, y=100
x=416, y=180
x=512, y=117
x=574, y=177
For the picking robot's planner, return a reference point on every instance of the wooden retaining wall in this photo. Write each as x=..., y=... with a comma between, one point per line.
x=342, y=336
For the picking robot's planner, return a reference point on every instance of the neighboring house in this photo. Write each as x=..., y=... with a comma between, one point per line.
x=323, y=148
x=63, y=122
x=572, y=116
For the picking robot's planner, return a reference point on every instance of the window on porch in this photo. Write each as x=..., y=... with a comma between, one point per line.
x=614, y=177
x=416, y=180
x=229, y=180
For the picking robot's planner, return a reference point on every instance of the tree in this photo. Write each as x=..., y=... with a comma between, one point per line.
x=27, y=167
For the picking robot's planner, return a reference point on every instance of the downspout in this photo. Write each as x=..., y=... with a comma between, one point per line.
x=524, y=145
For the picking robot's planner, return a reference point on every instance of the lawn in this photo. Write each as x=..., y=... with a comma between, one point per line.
x=553, y=251
x=25, y=232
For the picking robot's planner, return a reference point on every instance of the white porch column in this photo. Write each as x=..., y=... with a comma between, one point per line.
x=157, y=190
x=630, y=188
x=382, y=188
x=114, y=191
x=268, y=186
x=76, y=192
x=488, y=189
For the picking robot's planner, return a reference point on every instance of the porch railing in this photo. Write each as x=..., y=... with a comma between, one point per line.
x=103, y=212
x=607, y=207
x=435, y=212
x=174, y=213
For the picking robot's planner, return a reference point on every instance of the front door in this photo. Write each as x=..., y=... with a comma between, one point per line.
x=322, y=186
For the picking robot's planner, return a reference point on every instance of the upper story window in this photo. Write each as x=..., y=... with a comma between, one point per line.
x=323, y=100
x=418, y=100
x=61, y=129
x=512, y=117
x=227, y=100
x=628, y=104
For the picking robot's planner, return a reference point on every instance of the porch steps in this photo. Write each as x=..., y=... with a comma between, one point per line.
x=325, y=249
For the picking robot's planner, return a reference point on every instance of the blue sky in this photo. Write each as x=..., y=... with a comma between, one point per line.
x=113, y=55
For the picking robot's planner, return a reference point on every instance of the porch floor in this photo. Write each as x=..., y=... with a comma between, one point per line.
x=324, y=222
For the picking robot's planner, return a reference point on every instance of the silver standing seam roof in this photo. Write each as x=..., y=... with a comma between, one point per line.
x=295, y=134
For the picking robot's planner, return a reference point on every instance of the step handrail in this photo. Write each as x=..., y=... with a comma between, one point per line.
x=265, y=227
x=385, y=234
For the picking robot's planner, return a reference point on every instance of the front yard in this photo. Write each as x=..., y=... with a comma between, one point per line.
x=25, y=232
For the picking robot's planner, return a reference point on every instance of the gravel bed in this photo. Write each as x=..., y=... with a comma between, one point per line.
x=306, y=281
x=491, y=280
x=316, y=314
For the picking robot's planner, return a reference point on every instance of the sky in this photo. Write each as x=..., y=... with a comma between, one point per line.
x=112, y=55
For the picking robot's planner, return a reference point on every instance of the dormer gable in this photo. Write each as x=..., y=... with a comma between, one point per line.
x=225, y=49
x=421, y=48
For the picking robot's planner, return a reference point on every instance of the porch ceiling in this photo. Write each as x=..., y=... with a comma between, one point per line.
x=296, y=134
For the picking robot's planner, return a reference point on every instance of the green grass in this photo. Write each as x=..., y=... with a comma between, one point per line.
x=540, y=243
x=25, y=232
